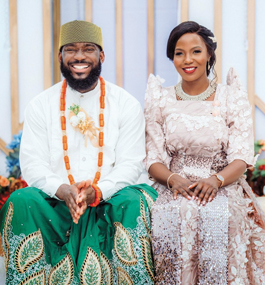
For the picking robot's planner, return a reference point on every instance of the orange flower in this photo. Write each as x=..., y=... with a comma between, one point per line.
x=3, y=199
x=262, y=167
x=4, y=182
x=24, y=183
x=15, y=185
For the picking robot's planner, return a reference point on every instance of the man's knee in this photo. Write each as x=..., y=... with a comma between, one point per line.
x=128, y=194
x=25, y=196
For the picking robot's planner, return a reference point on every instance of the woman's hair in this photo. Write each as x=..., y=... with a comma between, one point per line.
x=193, y=27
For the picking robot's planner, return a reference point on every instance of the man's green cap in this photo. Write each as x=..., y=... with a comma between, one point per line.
x=80, y=32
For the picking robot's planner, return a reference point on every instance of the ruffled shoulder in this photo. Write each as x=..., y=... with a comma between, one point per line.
x=154, y=91
x=154, y=86
x=155, y=79
x=153, y=97
x=234, y=90
x=236, y=93
x=233, y=80
x=239, y=121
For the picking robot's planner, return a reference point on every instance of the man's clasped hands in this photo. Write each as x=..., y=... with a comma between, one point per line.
x=77, y=197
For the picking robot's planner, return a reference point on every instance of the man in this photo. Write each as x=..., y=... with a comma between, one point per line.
x=82, y=147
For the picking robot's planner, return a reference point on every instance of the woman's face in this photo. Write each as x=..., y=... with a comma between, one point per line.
x=190, y=57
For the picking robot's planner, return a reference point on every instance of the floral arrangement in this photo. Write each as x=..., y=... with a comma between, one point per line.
x=256, y=175
x=259, y=169
x=14, y=181
x=81, y=121
x=259, y=146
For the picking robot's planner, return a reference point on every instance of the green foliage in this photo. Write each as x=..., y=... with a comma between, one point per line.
x=75, y=109
x=259, y=146
x=12, y=159
x=259, y=169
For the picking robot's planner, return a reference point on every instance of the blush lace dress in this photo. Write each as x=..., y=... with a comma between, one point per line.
x=224, y=241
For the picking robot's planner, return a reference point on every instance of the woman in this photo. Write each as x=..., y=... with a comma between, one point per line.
x=207, y=226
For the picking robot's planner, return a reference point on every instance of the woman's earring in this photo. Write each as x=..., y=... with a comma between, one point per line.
x=208, y=65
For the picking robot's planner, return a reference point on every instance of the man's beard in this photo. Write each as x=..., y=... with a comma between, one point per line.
x=81, y=85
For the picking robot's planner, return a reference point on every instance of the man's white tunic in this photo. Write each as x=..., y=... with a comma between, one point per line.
x=41, y=151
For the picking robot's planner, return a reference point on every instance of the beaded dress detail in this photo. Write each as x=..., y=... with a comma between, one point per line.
x=224, y=241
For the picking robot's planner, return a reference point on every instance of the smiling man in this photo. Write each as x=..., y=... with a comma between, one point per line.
x=81, y=221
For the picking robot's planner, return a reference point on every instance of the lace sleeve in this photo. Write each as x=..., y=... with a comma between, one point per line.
x=239, y=120
x=155, y=137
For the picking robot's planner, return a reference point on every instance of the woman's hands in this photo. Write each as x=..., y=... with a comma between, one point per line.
x=180, y=185
x=205, y=190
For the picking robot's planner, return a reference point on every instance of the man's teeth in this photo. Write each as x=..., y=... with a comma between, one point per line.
x=80, y=67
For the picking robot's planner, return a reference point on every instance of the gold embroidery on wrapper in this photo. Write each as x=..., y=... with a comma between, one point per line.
x=38, y=278
x=62, y=273
x=123, y=277
x=147, y=257
x=2, y=252
x=123, y=245
x=91, y=270
x=150, y=201
x=6, y=230
x=29, y=251
x=144, y=217
x=107, y=271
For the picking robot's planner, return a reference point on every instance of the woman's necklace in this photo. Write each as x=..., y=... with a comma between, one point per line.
x=100, y=138
x=201, y=97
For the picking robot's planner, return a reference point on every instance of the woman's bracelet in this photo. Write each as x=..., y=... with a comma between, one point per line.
x=168, y=186
x=220, y=178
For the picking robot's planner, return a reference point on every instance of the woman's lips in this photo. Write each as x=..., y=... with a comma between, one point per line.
x=189, y=70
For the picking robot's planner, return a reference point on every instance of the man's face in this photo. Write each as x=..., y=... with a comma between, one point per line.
x=81, y=64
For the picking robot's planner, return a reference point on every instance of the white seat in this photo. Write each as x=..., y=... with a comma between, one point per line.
x=2, y=271
x=261, y=201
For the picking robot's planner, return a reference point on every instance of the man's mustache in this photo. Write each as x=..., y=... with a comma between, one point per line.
x=79, y=61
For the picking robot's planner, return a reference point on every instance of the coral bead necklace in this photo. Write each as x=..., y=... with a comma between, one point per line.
x=100, y=138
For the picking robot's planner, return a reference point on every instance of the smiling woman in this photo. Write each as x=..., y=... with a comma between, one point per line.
x=199, y=142
x=191, y=55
